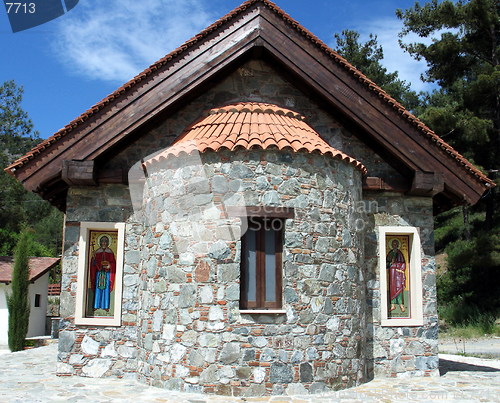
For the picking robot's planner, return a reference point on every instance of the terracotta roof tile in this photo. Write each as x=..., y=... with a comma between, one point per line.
x=38, y=267
x=259, y=125
x=205, y=33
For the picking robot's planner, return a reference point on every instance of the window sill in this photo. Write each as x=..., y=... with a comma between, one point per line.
x=259, y=311
x=397, y=322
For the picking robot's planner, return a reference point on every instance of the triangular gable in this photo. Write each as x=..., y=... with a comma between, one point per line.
x=255, y=25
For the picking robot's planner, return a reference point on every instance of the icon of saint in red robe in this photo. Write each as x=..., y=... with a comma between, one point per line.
x=102, y=274
x=396, y=265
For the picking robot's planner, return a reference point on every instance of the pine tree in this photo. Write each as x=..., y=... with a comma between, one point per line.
x=18, y=207
x=463, y=59
x=367, y=57
x=18, y=300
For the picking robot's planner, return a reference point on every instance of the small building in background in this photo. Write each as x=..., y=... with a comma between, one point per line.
x=38, y=288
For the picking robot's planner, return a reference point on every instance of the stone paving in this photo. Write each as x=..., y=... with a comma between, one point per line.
x=483, y=347
x=29, y=376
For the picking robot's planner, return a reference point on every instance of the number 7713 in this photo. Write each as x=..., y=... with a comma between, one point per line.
x=25, y=8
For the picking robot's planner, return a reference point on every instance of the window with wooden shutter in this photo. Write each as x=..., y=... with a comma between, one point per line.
x=261, y=282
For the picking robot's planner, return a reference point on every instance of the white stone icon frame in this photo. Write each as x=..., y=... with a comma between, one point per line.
x=416, y=309
x=81, y=291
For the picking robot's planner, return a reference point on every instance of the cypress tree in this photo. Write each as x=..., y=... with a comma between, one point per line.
x=18, y=300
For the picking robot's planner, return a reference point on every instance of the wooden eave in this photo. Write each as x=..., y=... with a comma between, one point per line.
x=257, y=24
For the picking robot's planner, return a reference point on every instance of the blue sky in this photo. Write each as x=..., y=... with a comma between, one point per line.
x=69, y=64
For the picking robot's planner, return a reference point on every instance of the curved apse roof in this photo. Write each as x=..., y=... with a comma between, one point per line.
x=252, y=125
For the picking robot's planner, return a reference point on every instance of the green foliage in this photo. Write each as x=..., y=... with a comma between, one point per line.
x=8, y=240
x=468, y=321
x=450, y=226
x=445, y=112
x=18, y=300
x=367, y=58
x=471, y=329
x=468, y=36
x=16, y=128
x=48, y=232
x=472, y=282
x=18, y=207
x=54, y=301
x=463, y=59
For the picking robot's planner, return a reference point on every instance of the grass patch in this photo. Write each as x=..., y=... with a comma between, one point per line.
x=467, y=321
x=29, y=343
x=469, y=331
x=478, y=355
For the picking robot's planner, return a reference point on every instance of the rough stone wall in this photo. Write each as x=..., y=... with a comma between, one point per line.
x=110, y=351
x=193, y=336
x=401, y=351
x=97, y=351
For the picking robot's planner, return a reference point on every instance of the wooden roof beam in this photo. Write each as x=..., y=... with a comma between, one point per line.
x=427, y=184
x=78, y=173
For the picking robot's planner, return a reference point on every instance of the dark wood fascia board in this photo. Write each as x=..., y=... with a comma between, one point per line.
x=115, y=176
x=119, y=119
x=443, y=202
x=56, y=194
x=183, y=90
x=372, y=113
x=54, y=190
x=459, y=199
x=254, y=27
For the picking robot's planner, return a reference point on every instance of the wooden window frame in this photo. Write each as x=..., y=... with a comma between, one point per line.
x=261, y=215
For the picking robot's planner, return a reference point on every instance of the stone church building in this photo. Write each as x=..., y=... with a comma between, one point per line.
x=250, y=215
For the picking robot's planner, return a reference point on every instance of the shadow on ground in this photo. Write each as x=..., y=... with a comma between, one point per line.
x=446, y=366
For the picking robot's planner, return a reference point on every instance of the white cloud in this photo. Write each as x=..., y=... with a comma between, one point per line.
x=116, y=39
x=395, y=58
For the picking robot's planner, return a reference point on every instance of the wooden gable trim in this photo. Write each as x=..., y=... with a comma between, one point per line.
x=118, y=121
x=253, y=26
x=345, y=92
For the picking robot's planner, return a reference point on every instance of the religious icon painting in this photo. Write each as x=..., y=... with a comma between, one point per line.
x=400, y=273
x=100, y=274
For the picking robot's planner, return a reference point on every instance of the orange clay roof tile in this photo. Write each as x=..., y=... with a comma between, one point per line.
x=262, y=126
x=212, y=28
x=38, y=267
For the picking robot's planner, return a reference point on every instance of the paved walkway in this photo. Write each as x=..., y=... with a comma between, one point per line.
x=485, y=347
x=29, y=376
